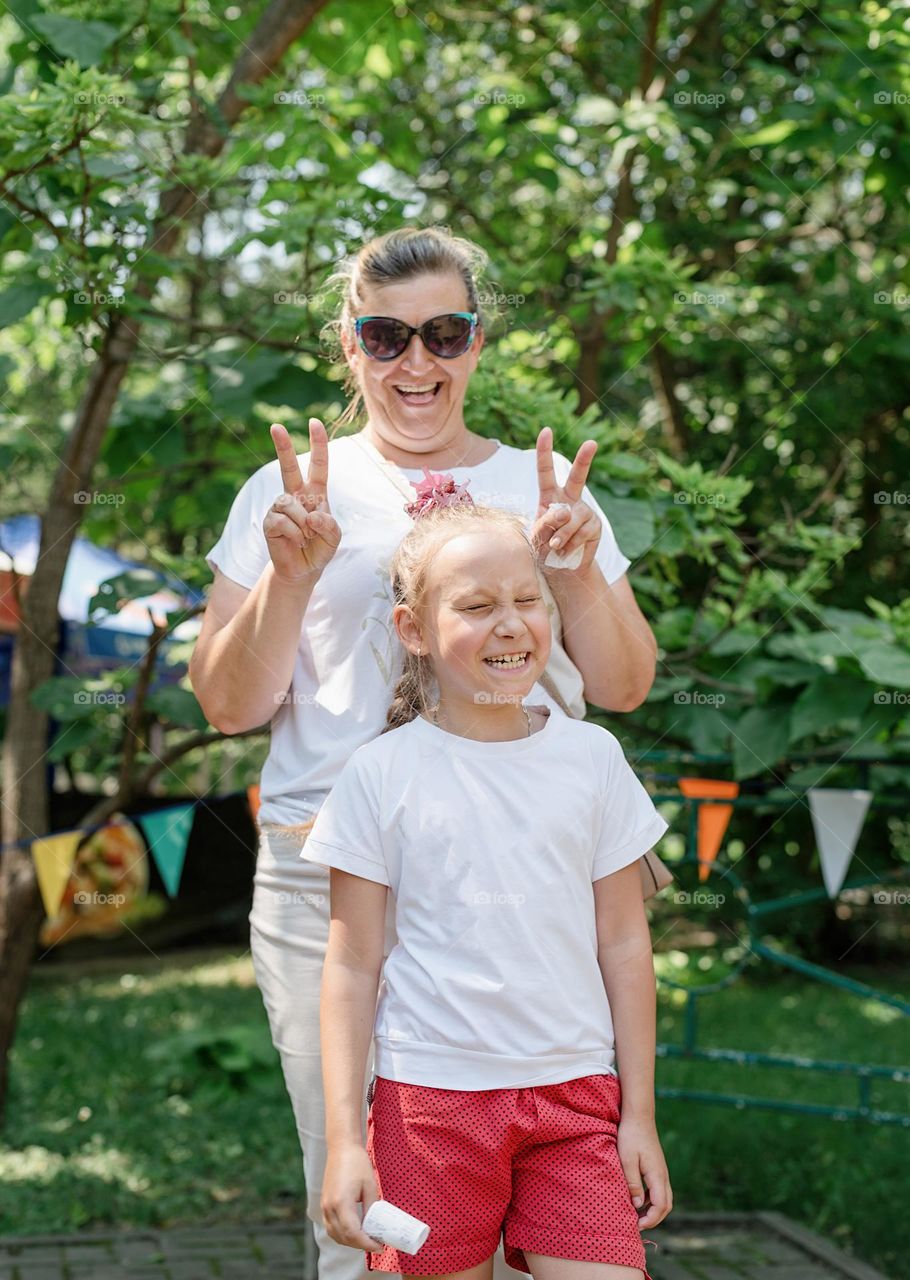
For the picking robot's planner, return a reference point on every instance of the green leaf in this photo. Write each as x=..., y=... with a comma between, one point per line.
x=779, y=131
x=760, y=739
x=632, y=521
x=17, y=302
x=84, y=41
x=826, y=702
x=886, y=665
x=178, y=706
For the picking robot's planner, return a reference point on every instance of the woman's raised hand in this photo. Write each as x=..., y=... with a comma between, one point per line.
x=565, y=530
x=301, y=533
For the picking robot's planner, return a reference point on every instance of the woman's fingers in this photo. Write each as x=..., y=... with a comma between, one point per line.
x=314, y=489
x=291, y=476
x=578, y=475
x=546, y=476
x=317, y=481
x=660, y=1197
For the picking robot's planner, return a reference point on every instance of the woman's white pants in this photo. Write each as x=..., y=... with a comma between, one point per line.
x=289, y=929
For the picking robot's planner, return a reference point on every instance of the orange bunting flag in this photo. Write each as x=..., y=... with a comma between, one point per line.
x=54, y=857
x=252, y=795
x=713, y=819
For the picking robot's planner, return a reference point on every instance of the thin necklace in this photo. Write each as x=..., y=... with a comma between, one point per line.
x=390, y=469
x=523, y=707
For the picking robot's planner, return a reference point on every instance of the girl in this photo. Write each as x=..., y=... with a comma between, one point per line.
x=509, y=838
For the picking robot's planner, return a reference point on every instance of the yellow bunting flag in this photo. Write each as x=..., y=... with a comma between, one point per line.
x=54, y=857
x=252, y=795
x=713, y=819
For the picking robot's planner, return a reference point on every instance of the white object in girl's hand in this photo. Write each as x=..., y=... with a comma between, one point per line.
x=559, y=560
x=390, y=1225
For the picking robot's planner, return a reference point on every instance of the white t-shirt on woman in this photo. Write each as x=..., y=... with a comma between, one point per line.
x=490, y=850
x=350, y=658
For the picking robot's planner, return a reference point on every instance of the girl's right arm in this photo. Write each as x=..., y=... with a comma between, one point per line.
x=350, y=982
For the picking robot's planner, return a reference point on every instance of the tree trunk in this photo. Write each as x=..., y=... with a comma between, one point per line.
x=26, y=807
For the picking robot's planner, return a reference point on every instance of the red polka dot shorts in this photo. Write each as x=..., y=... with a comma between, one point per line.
x=537, y=1165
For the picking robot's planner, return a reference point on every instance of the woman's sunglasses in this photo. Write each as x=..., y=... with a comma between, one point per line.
x=448, y=336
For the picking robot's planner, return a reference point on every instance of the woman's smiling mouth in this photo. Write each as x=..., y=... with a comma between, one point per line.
x=417, y=393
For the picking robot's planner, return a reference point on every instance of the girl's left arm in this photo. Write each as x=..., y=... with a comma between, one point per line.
x=627, y=966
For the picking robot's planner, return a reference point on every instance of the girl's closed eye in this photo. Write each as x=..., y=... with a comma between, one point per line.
x=526, y=600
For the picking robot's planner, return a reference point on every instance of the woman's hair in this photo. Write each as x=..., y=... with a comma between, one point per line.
x=409, y=572
x=389, y=259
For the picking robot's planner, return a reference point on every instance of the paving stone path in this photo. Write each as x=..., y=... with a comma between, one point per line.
x=755, y=1246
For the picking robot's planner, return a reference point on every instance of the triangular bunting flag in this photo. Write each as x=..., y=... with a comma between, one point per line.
x=713, y=819
x=54, y=856
x=252, y=795
x=837, y=819
x=168, y=832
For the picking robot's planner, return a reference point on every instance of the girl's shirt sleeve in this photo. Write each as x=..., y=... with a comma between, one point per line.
x=241, y=553
x=347, y=833
x=630, y=823
x=611, y=561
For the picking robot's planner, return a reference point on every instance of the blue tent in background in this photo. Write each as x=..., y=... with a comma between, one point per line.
x=116, y=640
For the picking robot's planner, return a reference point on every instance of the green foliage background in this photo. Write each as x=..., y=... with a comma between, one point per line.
x=697, y=257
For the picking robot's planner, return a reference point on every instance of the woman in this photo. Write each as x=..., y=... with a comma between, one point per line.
x=298, y=626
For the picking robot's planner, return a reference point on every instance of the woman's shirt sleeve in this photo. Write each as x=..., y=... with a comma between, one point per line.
x=241, y=553
x=611, y=561
x=630, y=823
x=346, y=833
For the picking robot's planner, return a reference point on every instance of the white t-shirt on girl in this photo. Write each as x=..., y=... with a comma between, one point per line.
x=349, y=657
x=490, y=850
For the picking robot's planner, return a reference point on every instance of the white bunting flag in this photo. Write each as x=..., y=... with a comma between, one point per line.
x=837, y=818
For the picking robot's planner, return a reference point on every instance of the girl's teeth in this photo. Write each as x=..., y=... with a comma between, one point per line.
x=507, y=662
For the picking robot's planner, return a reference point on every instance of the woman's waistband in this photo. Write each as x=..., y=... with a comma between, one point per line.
x=298, y=829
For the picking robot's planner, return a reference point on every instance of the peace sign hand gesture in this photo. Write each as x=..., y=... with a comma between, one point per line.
x=301, y=533
x=573, y=526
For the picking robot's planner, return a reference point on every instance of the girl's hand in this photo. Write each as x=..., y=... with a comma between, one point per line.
x=645, y=1168
x=301, y=533
x=577, y=527
x=349, y=1180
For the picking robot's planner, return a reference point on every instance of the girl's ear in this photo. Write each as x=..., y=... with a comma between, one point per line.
x=408, y=629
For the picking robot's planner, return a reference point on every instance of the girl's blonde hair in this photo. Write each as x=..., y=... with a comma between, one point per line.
x=389, y=259
x=409, y=572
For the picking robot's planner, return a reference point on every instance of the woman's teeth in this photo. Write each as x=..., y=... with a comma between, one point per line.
x=508, y=660
x=414, y=393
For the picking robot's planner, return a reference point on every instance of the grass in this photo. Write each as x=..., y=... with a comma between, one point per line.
x=154, y=1098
